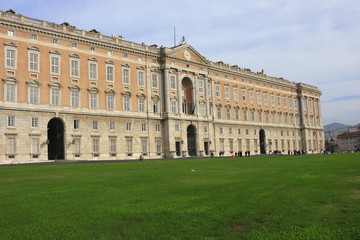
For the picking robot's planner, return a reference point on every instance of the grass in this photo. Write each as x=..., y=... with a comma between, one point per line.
x=288, y=197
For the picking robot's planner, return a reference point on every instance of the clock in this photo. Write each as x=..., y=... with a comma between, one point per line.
x=187, y=55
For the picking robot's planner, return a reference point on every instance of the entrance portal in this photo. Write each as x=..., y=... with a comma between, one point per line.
x=55, y=136
x=206, y=148
x=262, y=141
x=191, y=139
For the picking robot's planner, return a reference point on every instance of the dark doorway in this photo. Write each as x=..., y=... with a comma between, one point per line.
x=206, y=148
x=55, y=136
x=178, y=148
x=191, y=139
x=262, y=141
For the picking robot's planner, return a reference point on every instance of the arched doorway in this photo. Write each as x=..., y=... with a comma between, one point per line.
x=262, y=140
x=187, y=101
x=55, y=139
x=191, y=139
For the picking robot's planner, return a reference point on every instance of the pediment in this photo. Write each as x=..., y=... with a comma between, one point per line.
x=187, y=53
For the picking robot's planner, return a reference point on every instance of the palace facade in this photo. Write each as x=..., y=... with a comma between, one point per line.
x=72, y=94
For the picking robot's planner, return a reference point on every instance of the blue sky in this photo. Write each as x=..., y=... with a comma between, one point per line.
x=311, y=41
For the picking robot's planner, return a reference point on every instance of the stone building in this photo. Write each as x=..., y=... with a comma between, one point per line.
x=72, y=94
x=349, y=141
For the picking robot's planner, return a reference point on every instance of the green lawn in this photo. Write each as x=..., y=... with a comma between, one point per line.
x=289, y=197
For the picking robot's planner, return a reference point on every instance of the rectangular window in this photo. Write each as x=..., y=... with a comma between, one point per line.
x=55, y=96
x=201, y=86
x=11, y=121
x=54, y=41
x=295, y=104
x=93, y=71
x=158, y=146
x=10, y=58
x=221, y=130
x=10, y=92
x=278, y=101
x=173, y=106
x=172, y=82
x=141, y=81
x=259, y=98
x=154, y=80
x=95, y=125
x=128, y=126
x=236, y=95
x=33, y=37
x=34, y=146
x=95, y=145
x=251, y=96
x=218, y=112
x=112, y=145
x=205, y=129
x=217, y=91
x=228, y=113
x=272, y=100
x=110, y=73
x=74, y=45
x=157, y=128
x=144, y=146
x=141, y=102
x=77, y=146
x=126, y=76
x=143, y=127
x=267, y=116
x=111, y=126
x=290, y=103
x=231, y=145
x=243, y=94
x=55, y=65
x=11, y=146
x=252, y=116
x=34, y=122
x=284, y=101
x=76, y=124
x=227, y=93
x=75, y=99
x=93, y=100
x=237, y=117
x=245, y=115
x=75, y=68
x=33, y=94
x=260, y=116
x=127, y=105
x=177, y=128
x=265, y=99
x=156, y=106
x=110, y=102
x=11, y=33
x=129, y=145
x=33, y=61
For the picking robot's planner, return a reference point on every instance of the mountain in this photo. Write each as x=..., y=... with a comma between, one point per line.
x=333, y=128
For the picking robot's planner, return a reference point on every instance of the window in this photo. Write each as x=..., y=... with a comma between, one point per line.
x=111, y=125
x=221, y=130
x=202, y=109
x=126, y=76
x=34, y=122
x=11, y=121
x=10, y=58
x=206, y=129
x=278, y=101
x=74, y=45
x=265, y=99
x=295, y=104
x=75, y=68
x=284, y=101
x=11, y=33
x=158, y=146
x=228, y=113
x=230, y=130
x=243, y=94
x=10, y=92
x=11, y=146
x=54, y=41
x=141, y=103
x=109, y=52
x=208, y=89
x=110, y=73
x=173, y=106
x=236, y=94
x=93, y=100
x=77, y=147
x=177, y=127
x=95, y=125
x=35, y=146
x=33, y=61
x=33, y=37
x=55, y=64
x=92, y=49
x=272, y=100
x=227, y=93
x=55, y=96
x=267, y=116
x=154, y=80
x=126, y=55
x=218, y=112
x=239, y=131
x=201, y=86
x=141, y=78
x=112, y=143
x=273, y=117
x=251, y=96
x=260, y=116
x=75, y=98
x=245, y=115
x=128, y=126
x=76, y=124
x=172, y=82
x=127, y=105
x=247, y=131
x=157, y=128
x=217, y=91
x=129, y=145
x=259, y=98
x=156, y=106
x=110, y=102
x=144, y=145
x=231, y=145
x=279, y=118
x=95, y=145
x=93, y=71
x=237, y=117
x=290, y=102
x=143, y=127
x=252, y=116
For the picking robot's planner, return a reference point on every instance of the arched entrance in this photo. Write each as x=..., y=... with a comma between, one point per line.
x=187, y=101
x=262, y=140
x=191, y=139
x=55, y=139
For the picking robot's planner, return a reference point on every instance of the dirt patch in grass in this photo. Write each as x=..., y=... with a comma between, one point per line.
x=237, y=227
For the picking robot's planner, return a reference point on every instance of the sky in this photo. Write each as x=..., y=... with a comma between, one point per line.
x=316, y=42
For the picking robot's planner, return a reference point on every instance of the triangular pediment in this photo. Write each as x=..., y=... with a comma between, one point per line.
x=187, y=53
